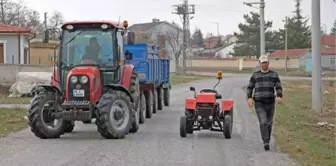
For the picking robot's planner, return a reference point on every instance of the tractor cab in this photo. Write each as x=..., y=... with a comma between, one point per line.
x=90, y=54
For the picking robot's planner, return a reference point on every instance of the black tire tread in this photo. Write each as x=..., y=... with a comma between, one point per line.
x=166, y=96
x=104, y=106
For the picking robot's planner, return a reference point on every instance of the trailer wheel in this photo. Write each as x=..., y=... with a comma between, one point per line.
x=155, y=101
x=142, y=111
x=166, y=96
x=149, y=103
x=160, y=98
x=39, y=119
x=115, y=115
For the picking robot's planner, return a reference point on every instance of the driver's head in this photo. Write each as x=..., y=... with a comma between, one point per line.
x=94, y=42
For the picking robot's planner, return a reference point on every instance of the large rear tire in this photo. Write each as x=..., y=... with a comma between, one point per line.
x=39, y=118
x=135, y=92
x=114, y=107
x=149, y=104
x=166, y=96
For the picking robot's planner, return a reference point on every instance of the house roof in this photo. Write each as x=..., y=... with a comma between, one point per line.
x=145, y=26
x=328, y=50
x=211, y=42
x=329, y=40
x=5, y=28
x=290, y=53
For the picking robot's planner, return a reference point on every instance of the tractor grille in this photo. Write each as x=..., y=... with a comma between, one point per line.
x=205, y=109
x=79, y=85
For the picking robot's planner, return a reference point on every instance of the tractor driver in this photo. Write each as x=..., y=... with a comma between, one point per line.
x=92, y=50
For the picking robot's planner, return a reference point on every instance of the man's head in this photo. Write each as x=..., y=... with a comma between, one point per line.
x=94, y=43
x=264, y=62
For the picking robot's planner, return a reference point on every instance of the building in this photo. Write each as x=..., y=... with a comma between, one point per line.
x=14, y=44
x=294, y=58
x=168, y=34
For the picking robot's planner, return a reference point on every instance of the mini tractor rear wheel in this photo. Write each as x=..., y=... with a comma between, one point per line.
x=227, y=128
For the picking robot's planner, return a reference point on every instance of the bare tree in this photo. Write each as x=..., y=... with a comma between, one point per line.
x=55, y=21
x=174, y=41
x=18, y=14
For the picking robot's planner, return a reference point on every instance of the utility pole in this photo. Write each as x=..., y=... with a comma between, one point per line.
x=185, y=10
x=217, y=27
x=316, y=56
x=262, y=23
x=46, y=32
x=286, y=40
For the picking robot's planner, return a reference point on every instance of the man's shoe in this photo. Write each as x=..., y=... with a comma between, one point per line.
x=266, y=146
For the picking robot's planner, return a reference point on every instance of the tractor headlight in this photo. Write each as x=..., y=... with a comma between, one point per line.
x=84, y=79
x=73, y=79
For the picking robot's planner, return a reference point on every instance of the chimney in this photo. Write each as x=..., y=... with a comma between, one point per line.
x=155, y=20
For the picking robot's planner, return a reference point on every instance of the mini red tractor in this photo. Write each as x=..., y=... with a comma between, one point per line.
x=203, y=112
x=90, y=80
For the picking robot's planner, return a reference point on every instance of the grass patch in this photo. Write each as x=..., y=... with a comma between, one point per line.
x=12, y=120
x=4, y=99
x=296, y=125
x=180, y=79
x=296, y=129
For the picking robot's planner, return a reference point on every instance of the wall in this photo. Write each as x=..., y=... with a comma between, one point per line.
x=8, y=72
x=325, y=62
x=12, y=48
x=41, y=55
x=235, y=64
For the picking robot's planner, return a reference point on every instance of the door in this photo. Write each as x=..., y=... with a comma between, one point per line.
x=2, y=53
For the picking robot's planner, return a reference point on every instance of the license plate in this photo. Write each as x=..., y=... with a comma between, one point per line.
x=78, y=93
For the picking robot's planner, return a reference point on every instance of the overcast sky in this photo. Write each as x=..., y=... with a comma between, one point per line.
x=229, y=13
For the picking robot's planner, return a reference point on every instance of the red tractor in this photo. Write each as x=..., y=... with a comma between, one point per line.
x=89, y=81
x=203, y=112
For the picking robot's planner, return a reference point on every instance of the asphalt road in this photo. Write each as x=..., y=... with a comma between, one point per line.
x=157, y=142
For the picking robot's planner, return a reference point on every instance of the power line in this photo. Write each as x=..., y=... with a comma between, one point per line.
x=185, y=10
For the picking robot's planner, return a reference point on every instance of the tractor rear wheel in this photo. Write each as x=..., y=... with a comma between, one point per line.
x=149, y=104
x=142, y=111
x=115, y=113
x=39, y=117
x=160, y=98
x=166, y=96
x=135, y=92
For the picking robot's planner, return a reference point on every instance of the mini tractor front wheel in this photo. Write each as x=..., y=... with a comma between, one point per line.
x=183, y=126
x=114, y=115
x=40, y=119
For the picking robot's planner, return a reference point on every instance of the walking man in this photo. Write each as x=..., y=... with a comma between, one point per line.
x=265, y=84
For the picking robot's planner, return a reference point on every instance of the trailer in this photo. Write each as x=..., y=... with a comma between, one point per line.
x=154, y=76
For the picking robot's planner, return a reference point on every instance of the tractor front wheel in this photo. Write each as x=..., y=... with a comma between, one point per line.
x=114, y=115
x=42, y=124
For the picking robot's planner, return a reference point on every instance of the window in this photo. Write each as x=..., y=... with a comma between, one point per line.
x=332, y=60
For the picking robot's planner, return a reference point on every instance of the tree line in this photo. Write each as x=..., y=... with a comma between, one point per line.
x=298, y=34
x=19, y=14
